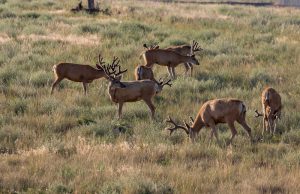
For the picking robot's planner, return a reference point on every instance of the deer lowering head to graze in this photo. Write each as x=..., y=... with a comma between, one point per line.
x=77, y=73
x=130, y=91
x=187, y=50
x=213, y=112
x=271, y=105
x=167, y=58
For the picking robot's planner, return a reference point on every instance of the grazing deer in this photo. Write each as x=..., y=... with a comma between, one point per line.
x=213, y=112
x=187, y=50
x=77, y=73
x=167, y=58
x=130, y=91
x=271, y=105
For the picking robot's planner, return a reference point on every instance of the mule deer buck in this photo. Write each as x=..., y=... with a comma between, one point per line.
x=167, y=58
x=130, y=91
x=77, y=73
x=271, y=105
x=187, y=50
x=142, y=72
x=213, y=112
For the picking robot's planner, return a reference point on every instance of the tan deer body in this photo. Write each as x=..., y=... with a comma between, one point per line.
x=130, y=91
x=77, y=73
x=271, y=105
x=142, y=72
x=214, y=112
x=167, y=58
x=184, y=50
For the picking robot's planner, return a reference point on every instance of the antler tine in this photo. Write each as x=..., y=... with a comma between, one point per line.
x=258, y=114
x=192, y=119
x=167, y=83
x=120, y=72
x=172, y=129
x=100, y=60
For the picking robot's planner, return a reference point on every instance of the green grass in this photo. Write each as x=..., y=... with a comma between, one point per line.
x=69, y=142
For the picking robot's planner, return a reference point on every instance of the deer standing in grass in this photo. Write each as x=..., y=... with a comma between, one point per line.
x=187, y=50
x=167, y=58
x=130, y=91
x=213, y=112
x=77, y=73
x=271, y=105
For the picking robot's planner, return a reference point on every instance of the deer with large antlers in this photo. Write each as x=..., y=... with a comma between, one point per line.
x=213, y=112
x=271, y=105
x=77, y=73
x=187, y=50
x=167, y=57
x=130, y=91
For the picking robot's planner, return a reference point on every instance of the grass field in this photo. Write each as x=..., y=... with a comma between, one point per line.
x=66, y=143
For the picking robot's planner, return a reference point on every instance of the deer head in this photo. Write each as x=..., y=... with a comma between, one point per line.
x=161, y=83
x=112, y=71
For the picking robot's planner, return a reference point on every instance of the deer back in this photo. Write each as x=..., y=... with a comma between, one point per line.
x=77, y=72
x=133, y=91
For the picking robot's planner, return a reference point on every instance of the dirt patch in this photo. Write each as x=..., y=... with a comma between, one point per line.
x=4, y=38
x=72, y=39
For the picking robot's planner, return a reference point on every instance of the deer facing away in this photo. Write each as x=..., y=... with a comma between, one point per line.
x=167, y=58
x=130, y=91
x=271, y=105
x=213, y=112
x=77, y=73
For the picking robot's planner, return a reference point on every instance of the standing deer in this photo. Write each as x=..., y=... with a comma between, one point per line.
x=77, y=73
x=142, y=72
x=187, y=50
x=271, y=105
x=167, y=58
x=213, y=112
x=130, y=91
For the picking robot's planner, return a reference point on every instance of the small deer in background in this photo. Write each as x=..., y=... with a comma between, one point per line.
x=187, y=50
x=130, y=91
x=213, y=112
x=77, y=73
x=142, y=72
x=167, y=58
x=271, y=105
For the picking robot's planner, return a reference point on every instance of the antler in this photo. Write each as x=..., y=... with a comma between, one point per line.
x=192, y=119
x=166, y=83
x=153, y=47
x=195, y=47
x=258, y=114
x=172, y=129
x=111, y=69
x=100, y=62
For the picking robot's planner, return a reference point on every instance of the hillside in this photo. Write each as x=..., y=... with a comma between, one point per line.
x=68, y=142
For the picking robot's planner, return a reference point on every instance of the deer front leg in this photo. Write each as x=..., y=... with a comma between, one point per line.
x=214, y=131
x=55, y=84
x=187, y=68
x=120, y=110
x=233, y=131
x=173, y=72
x=151, y=107
x=170, y=71
x=191, y=69
x=84, y=84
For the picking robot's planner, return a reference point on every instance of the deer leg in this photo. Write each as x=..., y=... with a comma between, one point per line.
x=246, y=127
x=151, y=107
x=120, y=109
x=55, y=84
x=187, y=68
x=191, y=69
x=84, y=84
x=233, y=131
x=214, y=131
x=173, y=71
x=170, y=71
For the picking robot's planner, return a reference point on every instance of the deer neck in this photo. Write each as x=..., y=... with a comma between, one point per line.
x=184, y=59
x=100, y=73
x=198, y=124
